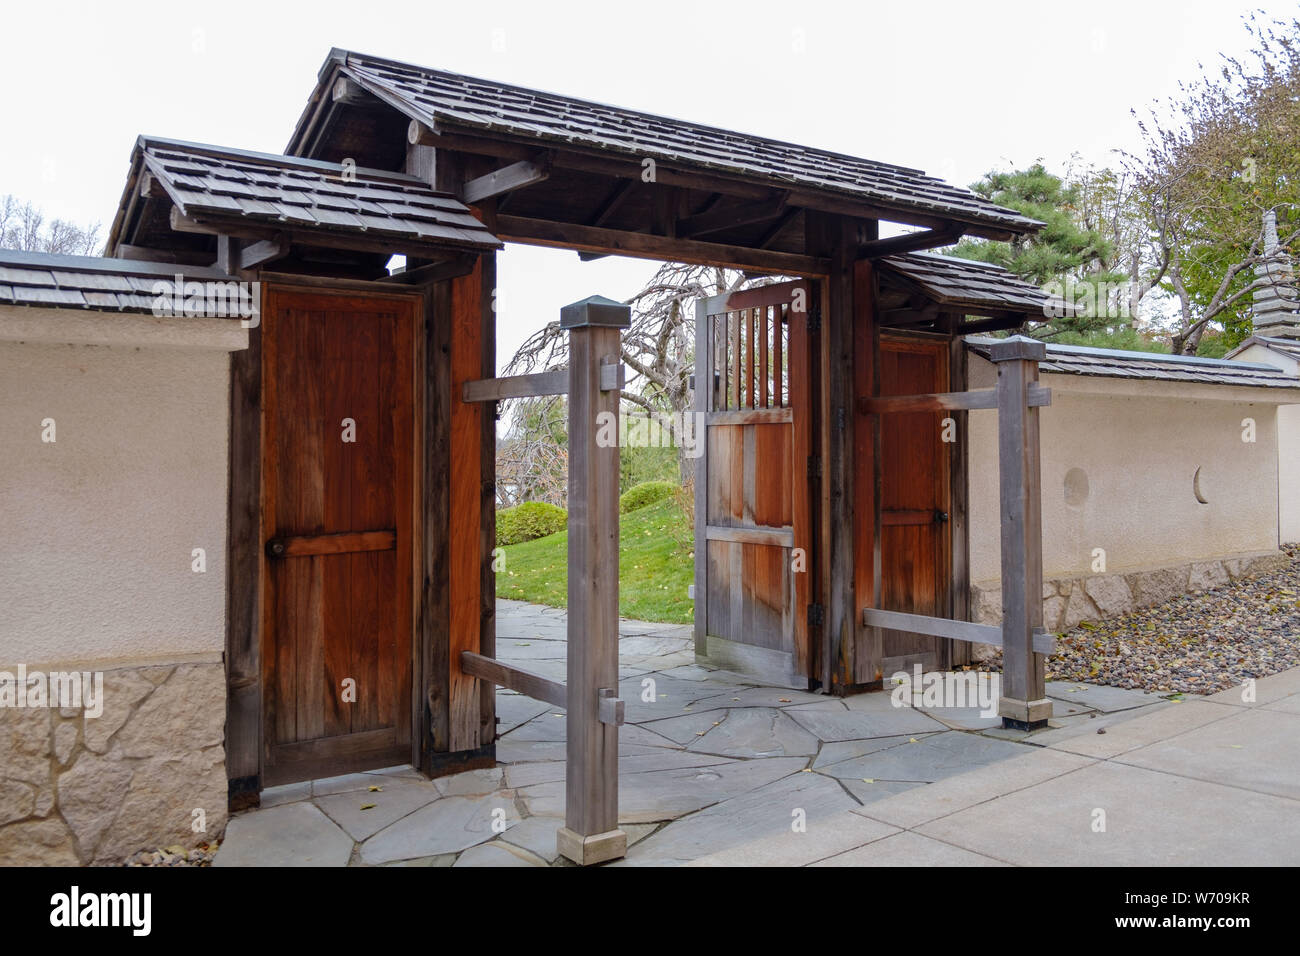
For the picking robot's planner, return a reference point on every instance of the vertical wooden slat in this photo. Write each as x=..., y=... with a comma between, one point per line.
x=958, y=607
x=764, y=375
x=464, y=577
x=780, y=395
x=244, y=557
x=734, y=318
x=435, y=641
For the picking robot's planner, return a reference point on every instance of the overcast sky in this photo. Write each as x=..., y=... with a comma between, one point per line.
x=954, y=88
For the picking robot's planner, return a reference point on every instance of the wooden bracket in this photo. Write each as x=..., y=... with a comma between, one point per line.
x=610, y=707
x=526, y=172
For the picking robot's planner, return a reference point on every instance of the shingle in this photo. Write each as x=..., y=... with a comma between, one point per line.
x=436, y=96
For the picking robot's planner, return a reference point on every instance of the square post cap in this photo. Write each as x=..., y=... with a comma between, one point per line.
x=1018, y=347
x=596, y=311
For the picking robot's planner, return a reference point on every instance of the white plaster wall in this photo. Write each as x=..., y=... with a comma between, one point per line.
x=1139, y=445
x=1288, y=443
x=98, y=527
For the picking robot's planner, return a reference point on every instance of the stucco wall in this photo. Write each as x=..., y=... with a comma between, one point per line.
x=1131, y=450
x=1288, y=440
x=100, y=525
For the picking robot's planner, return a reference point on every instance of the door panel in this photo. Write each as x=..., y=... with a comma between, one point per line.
x=337, y=515
x=751, y=499
x=914, y=534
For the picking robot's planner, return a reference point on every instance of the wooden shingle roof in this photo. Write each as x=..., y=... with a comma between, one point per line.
x=215, y=184
x=449, y=100
x=977, y=287
x=90, y=282
x=1152, y=366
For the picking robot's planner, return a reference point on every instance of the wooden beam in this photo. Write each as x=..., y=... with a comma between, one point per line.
x=948, y=401
x=352, y=93
x=515, y=678
x=751, y=416
x=515, y=176
x=345, y=543
x=912, y=242
x=776, y=537
x=516, y=386
x=268, y=250
x=717, y=220
x=1044, y=643
x=150, y=187
x=179, y=256
x=777, y=227
x=434, y=272
x=639, y=245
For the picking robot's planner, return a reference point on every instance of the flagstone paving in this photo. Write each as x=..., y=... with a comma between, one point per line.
x=717, y=769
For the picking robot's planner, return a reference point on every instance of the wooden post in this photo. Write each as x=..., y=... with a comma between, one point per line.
x=1024, y=704
x=590, y=833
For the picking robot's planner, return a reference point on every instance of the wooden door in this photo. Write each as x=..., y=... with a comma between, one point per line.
x=752, y=552
x=914, y=506
x=338, y=485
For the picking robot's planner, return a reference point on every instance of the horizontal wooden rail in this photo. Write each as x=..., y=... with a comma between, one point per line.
x=610, y=708
x=515, y=678
x=309, y=545
x=516, y=386
x=1044, y=643
x=751, y=416
x=946, y=401
x=754, y=534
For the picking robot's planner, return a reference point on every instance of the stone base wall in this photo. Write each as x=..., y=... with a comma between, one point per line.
x=1096, y=597
x=76, y=789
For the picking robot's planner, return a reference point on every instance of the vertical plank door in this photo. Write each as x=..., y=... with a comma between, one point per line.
x=914, y=537
x=338, y=490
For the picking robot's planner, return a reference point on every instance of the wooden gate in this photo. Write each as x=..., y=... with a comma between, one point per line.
x=753, y=554
x=338, y=443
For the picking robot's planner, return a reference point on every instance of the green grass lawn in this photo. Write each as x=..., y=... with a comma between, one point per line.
x=654, y=570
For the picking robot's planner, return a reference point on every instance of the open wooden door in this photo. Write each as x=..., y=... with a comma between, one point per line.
x=752, y=550
x=915, y=549
x=339, y=479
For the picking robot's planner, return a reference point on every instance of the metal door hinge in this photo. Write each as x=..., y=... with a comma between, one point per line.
x=814, y=466
x=815, y=319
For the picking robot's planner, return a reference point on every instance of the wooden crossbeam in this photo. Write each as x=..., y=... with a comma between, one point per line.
x=946, y=401
x=716, y=220
x=515, y=678
x=912, y=242
x=516, y=386
x=268, y=250
x=543, y=232
x=1044, y=643
x=526, y=172
x=435, y=271
x=762, y=534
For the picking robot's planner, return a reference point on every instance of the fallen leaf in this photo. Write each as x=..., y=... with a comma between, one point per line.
x=783, y=700
x=374, y=789
x=868, y=780
x=367, y=806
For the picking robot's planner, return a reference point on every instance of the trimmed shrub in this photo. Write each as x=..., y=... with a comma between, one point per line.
x=532, y=519
x=646, y=493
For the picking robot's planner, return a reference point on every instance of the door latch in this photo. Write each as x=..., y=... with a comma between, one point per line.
x=940, y=516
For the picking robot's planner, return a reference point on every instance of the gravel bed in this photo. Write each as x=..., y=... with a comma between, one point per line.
x=1195, y=644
